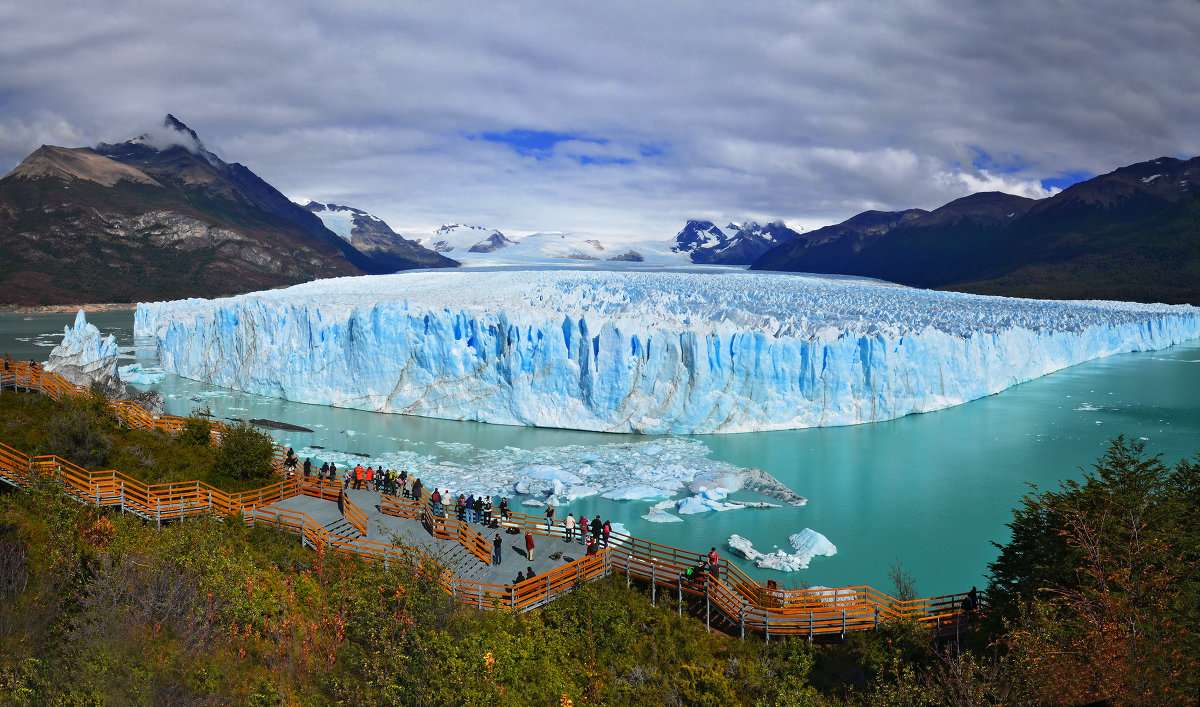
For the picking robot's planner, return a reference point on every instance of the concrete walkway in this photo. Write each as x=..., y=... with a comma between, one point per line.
x=548, y=553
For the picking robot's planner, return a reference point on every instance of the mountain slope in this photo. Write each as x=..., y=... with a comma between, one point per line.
x=1132, y=234
x=372, y=236
x=155, y=217
x=737, y=244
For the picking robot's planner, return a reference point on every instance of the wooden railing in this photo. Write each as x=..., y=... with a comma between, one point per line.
x=354, y=515
x=729, y=592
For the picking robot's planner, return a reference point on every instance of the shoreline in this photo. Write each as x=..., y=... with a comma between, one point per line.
x=66, y=308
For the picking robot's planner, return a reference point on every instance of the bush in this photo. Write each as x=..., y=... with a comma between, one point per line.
x=79, y=436
x=245, y=454
x=196, y=431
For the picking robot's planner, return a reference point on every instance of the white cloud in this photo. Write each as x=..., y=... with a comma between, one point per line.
x=808, y=112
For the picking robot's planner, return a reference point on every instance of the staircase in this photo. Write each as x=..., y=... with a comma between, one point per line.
x=458, y=559
x=341, y=527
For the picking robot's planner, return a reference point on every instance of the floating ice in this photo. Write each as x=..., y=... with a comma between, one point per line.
x=136, y=374
x=658, y=513
x=702, y=504
x=640, y=351
x=636, y=492
x=617, y=471
x=807, y=544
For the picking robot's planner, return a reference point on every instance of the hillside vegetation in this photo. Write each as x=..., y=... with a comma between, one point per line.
x=1095, y=597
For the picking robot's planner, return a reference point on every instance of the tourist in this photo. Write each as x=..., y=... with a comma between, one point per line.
x=605, y=531
x=324, y=471
x=569, y=527
x=971, y=601
x=371, y=485
x=591, y=545
x=714, y=562
x=470, y=508
x=504, y=509
x=435, y=500
x=358, y=474
x=529, y=546
x=520, y=578
x=529, y=573
x=418, y=489
x=460, y=508
x=477, y=509
x=549, y=516
x=487, y=511
x=496, y=545
x=307, y=467
x=597, y=526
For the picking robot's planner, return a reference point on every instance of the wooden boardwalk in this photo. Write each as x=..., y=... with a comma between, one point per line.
x=377, y=527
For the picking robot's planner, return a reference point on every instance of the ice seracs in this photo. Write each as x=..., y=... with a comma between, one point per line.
x=650, y=352
x=85, y=356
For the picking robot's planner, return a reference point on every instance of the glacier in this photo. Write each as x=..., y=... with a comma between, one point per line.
x=643, y=352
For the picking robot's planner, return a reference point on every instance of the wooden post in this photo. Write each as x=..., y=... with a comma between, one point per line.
x=707, y=609
x=679, y=586
x=122, y=495
x=843, y=624
x=653, y=586
x=742, y=619
x=810, y=626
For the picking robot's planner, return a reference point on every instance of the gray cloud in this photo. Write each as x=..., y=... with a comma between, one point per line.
x=803, y=111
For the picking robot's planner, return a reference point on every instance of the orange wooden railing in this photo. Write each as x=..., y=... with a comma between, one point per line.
x=729, y=592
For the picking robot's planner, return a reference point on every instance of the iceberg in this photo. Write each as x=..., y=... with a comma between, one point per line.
x=85, y=356
x=644, y=352
x=807, y=544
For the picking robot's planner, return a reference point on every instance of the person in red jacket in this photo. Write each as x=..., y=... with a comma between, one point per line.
x=714, y=562
x=529, y=546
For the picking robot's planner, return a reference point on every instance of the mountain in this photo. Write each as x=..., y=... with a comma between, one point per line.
x=156, y=217
x=1132, y=234
x=372, y=236
x=460, y=238
x=737, y=244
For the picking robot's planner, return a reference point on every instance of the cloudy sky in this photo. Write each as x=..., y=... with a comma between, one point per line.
x=615, y=117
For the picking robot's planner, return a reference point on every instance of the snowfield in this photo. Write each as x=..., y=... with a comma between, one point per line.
x=650, y=352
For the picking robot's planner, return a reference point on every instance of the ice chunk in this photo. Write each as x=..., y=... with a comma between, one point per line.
x=635, y=492
x=136, y=374
x=650, y=352
x=807, y=544
x=702, y=504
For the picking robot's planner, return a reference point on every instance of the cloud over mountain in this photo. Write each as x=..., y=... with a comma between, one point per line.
x=619, y=117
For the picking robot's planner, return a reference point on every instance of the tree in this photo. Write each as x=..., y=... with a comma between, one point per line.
x=1099, y=589
x=245, y=453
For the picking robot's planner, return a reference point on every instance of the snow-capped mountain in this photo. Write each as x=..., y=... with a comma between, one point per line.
x=706, y=243
x=479, y=245
x=459, y=238
x=373, y=236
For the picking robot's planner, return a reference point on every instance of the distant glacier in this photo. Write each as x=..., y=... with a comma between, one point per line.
x=648, y=352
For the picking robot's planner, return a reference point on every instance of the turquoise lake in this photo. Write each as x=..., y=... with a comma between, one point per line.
x=930, y=491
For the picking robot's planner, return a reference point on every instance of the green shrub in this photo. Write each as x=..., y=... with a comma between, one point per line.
x=79, y=435
x=196, y=431
x=245, y=454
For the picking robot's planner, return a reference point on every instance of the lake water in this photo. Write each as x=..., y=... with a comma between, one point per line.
x=931, y=491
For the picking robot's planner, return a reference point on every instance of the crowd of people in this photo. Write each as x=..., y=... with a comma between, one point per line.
x=483, y=510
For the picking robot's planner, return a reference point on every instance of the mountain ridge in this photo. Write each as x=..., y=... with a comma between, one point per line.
x=1130, y=234
x=158, y=216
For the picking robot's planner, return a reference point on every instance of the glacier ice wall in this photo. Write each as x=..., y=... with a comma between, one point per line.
x=639, y=351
